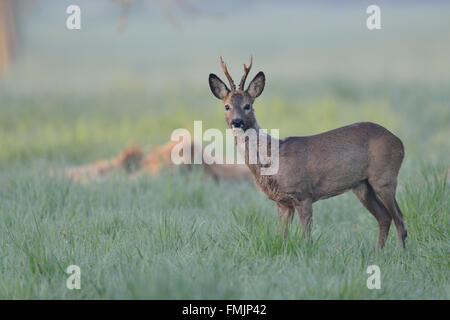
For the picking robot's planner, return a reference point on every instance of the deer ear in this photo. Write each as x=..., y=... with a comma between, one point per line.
x=218, y=88
x=256, y=86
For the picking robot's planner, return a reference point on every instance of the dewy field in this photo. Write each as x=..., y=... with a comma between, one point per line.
x=73, y=97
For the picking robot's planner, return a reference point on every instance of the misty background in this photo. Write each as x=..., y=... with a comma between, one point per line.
x=132, y=76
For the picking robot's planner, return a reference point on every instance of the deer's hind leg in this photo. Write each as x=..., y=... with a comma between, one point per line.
x=285, y=216
x=368, y=198
x=386, y=193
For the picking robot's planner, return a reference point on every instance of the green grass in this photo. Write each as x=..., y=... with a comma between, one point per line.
x=179, y=235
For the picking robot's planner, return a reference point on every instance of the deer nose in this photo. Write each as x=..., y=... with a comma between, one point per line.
x=237, y=123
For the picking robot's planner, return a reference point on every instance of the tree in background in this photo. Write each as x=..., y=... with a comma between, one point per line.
x=7, y=34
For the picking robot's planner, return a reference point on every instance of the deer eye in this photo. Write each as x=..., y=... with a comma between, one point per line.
x=247, y=107
x=227, y=107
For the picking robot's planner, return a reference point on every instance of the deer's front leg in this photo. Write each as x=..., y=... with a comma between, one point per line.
x=304, y=209
x=285, y=216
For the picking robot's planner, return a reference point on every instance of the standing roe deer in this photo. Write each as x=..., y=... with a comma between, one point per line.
x=363, y=157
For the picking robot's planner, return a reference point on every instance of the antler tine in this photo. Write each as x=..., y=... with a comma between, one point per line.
x=225, y=70
x=246, y=71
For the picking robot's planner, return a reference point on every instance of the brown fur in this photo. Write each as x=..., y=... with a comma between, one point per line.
x=135, y=161
x=362, y=157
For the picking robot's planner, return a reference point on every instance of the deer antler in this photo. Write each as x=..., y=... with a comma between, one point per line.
x=246, y=71
x=225, y=70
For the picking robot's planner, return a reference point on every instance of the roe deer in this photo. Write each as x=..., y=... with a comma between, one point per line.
x=364, y=157
x=135, y=160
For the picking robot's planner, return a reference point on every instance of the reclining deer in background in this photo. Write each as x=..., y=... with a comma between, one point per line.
x=363, y=157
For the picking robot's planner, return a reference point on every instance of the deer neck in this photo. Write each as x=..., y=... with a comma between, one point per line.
x=247, y=145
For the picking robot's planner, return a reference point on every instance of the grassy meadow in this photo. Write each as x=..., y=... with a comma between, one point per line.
x=72, y=98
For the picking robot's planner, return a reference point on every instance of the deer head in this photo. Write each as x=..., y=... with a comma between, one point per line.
x=239, y=111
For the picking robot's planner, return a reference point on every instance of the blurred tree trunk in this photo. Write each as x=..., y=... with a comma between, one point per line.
x=7, y=34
